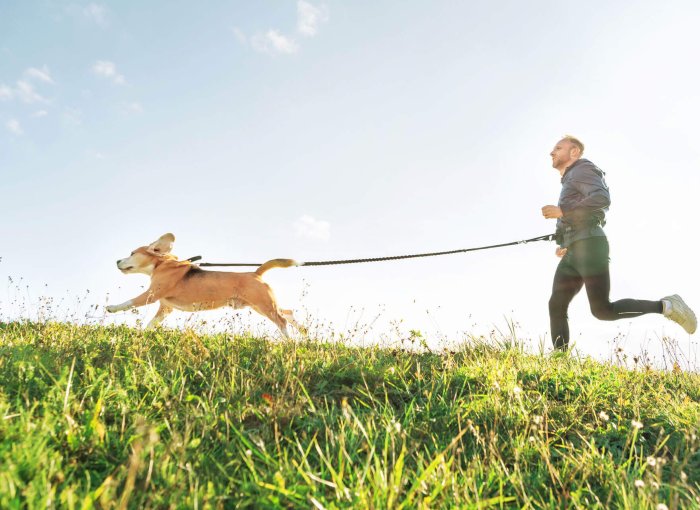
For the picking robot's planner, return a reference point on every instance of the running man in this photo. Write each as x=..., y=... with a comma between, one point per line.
x=583, y=249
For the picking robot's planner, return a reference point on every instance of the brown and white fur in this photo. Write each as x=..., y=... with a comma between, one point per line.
x=184, y=286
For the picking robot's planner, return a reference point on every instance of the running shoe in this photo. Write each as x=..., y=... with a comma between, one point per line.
x=681, y=313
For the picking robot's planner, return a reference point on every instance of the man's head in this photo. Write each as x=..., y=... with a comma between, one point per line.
x=566, y=152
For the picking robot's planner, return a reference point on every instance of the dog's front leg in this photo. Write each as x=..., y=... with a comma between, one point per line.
x=144, y=299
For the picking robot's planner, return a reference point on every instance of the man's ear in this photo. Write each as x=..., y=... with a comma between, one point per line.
x=163, y=245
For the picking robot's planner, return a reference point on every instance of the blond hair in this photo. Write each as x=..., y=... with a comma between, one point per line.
x=575, y=142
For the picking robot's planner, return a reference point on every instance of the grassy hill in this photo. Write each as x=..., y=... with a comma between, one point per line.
x=110, y=417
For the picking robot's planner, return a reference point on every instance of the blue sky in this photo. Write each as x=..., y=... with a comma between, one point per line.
x=324, y=130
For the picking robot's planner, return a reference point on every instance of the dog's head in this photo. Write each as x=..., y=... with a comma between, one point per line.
x=145, y=258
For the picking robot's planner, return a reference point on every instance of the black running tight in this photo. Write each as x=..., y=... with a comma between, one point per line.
x=587, y=263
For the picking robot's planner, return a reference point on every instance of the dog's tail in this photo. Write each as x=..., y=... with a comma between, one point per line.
x=275, y=263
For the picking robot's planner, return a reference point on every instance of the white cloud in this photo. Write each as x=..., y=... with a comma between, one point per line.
x=97, y=13
x=310, y=228
x=40, y=113
x=14, y=127
x=73, y=116
x=42, y=74
x=274, y=42
x=25, y=91
x=240, y=36
x=309, y=17
x=133, y=107
x=95, y=154
x=5, y=93
x=108, y=69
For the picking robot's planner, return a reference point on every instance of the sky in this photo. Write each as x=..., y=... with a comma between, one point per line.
x=320, y=130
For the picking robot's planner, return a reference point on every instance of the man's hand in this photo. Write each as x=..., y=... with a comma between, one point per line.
x=561, y=251
x=552, y=212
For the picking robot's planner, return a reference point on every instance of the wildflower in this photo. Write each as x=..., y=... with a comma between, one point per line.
x=603, y=416
x=517, y=390
x=637, y=424
x=639, y=484
x=661, y=506
x=248, y=453
x=651, y=461
x=532, y=439
x=684, y=477
x=537, y=420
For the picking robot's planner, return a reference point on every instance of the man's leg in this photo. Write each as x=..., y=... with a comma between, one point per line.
x=591, y=259
x=567, y=283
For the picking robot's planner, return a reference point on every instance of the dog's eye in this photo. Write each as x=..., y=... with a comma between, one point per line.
x=156, y=250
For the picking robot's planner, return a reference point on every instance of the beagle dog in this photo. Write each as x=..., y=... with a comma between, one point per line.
x=182, y=285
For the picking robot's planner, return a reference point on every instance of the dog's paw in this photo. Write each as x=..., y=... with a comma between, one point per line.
x=112, y=308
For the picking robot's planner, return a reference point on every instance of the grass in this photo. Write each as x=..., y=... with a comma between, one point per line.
x=111, y=417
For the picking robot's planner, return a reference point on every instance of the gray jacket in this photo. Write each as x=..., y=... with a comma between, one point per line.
x=584, y=200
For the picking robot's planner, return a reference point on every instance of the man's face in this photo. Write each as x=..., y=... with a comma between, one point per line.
x=563, y=154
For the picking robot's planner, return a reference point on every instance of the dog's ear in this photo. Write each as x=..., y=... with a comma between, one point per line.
x=163, y=245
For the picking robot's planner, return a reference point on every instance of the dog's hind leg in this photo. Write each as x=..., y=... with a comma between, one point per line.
x=270, y=311
x=287, y=314
x=162, y=312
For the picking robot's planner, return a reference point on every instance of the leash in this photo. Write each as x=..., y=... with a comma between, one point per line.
x=548, y=237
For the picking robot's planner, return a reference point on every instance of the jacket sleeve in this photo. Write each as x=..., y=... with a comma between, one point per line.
x=588, y=182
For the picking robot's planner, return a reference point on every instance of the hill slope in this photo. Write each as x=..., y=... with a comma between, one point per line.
x=113, y=417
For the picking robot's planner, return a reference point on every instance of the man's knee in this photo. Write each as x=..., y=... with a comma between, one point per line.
x=603, y=311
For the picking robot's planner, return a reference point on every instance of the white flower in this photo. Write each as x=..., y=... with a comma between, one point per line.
x=637, y=424
x=651, y=461
x=639, y=484
x=603, y=416
x=517, y=390
x=537, y=420
x=661, y=506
